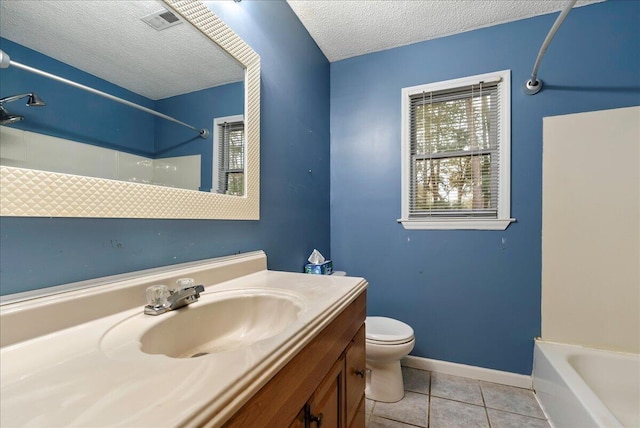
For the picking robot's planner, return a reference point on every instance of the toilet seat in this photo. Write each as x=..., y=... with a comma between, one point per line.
x=387, y=331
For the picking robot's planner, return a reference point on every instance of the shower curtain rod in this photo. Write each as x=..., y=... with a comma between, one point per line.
x=6, y=61
x=533, y=85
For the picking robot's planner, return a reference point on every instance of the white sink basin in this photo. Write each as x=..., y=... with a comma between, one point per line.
x=218, y=322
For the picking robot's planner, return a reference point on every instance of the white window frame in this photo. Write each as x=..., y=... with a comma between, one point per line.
x=504, y=185
x=216, y=148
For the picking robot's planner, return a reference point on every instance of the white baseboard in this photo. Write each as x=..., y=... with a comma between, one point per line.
x=473, y=372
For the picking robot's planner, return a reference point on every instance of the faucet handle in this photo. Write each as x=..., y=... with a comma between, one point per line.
x=198, y=289
x=183, y=283
x=189, y=283
x=157, y=295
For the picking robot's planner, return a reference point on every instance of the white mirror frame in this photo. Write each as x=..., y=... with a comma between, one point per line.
x=31, y=193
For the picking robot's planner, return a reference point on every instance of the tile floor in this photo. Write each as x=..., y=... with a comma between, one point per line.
x=436, y=400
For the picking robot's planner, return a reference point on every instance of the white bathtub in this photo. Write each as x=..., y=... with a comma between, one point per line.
x=585, y=387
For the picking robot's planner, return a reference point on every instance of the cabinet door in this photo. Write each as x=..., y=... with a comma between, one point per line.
x=298, y=422
x=355, y=378
x=358, y=420
x=326, y=406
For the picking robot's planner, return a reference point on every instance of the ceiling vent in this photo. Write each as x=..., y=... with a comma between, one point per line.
x=161, y=19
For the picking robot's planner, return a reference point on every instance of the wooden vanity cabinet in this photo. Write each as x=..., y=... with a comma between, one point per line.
x=336, y=402
x=323, y=383
x=355, y=364
x=325, y=409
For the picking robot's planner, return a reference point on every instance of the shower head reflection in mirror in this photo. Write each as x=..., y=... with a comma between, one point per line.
x=6, y=118
x=34, y=100
x=80, y=194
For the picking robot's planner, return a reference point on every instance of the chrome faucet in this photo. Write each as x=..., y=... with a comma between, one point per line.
x=160, y=299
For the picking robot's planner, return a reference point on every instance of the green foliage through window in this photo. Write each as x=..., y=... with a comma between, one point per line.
x=454, y=151
x=231, y=159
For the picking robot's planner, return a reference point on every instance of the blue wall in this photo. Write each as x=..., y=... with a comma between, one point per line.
x=73, y=113
x=199, y=107
x=39, y=252
x=472, y=297
x=77, y=115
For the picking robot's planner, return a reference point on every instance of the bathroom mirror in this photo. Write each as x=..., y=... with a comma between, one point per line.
x=221, y=80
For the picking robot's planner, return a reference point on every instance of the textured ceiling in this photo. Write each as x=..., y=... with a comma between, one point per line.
x=107, y=38
x=346, y=28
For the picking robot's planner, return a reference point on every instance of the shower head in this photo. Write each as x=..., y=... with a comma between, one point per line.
x=33, y=99
x=7, y=118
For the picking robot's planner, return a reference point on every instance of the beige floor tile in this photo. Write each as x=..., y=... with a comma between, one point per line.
x=416, y=380
x=454, y=414
x=368, y=406
x=501, y=419
x=377, y=422
x=511, y=399
x=455, y=402
x=412, y=409
x=456, y=388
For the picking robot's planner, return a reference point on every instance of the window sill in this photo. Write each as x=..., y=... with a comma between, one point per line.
x=461, y=224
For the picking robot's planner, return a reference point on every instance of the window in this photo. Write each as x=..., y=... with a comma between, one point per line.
x=456, y=154
x=228, y=159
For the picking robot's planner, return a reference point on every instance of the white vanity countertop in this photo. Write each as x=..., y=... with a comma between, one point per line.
x=69, y=378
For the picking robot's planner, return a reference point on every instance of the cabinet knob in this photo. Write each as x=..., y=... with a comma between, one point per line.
x=316, y=419
x=361, y=373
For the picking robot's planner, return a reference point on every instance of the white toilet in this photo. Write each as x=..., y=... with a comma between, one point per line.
x=387, y=341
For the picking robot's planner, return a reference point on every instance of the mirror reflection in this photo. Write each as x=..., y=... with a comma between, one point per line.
x=138, y=52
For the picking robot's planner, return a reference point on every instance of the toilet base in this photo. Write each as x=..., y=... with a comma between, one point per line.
x=384, y=382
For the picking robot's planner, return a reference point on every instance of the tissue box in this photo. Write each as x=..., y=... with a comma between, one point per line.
x=325, y=268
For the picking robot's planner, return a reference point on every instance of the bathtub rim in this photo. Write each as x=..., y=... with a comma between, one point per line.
x=557, y=355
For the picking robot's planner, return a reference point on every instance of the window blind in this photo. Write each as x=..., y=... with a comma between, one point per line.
x=231, y=158
x=454, y=152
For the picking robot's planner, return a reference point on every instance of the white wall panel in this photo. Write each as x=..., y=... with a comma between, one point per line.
x=591, y=229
